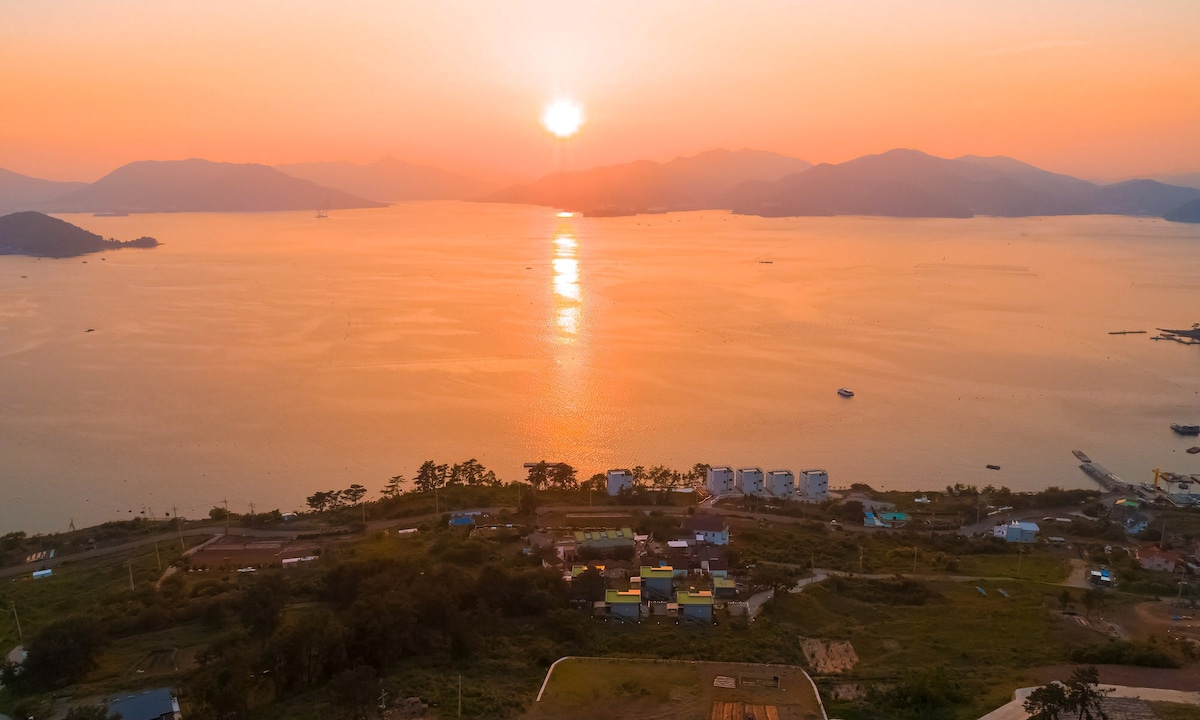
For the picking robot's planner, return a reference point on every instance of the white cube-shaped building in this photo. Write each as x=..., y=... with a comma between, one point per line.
x=719, y=480
x=781, y=484
x=750, y=481
x=814, y=486
x=618, y=480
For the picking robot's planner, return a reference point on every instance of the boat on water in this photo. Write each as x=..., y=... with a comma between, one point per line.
x=845, y=392
x=110, y=214
x=321, y=214
x=1186, y=429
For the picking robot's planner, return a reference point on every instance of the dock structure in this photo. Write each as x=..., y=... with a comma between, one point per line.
x=1101, y=475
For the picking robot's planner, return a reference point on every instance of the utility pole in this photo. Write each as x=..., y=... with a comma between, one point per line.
x=20, y=635
x=179, y=527
x=382, y=697
x=914, y=559
x=860, y=559
x=1162, y=534
x=130, y=566
x=460, y=695
x=251, y=508
x=226, y=502
x=157, y=557
x=1178, y=595
x=1020, y=554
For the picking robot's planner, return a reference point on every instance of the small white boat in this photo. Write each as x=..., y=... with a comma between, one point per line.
x=845, y=392
x=321, y=214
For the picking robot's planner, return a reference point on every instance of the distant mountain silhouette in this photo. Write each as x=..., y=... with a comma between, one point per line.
x=686, y=183
x=910, y=183
x=389, y=180
x=21, y=192
x=32, y=233
x=1188, y=213
x=202, y=186
x=1191, y=180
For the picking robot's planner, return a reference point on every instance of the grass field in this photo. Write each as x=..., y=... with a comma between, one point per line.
x=604, y=688
x=80, y=587
x=1175, y=711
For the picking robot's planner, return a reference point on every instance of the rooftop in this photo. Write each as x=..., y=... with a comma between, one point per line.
x=620, y=471
x=781, y=472
x=144, y=705
x=685, y=597
x=616, y=597
x=707, y=522
x=663, y=571
x=601, y=536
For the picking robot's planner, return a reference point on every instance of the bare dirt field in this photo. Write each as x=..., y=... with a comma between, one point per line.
x=232, y=552
x=828, y=657
x=602, y=688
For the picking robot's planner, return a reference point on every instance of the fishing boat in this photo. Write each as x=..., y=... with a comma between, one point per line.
x=1186, y=429
x=845, y=392
x=321, y=214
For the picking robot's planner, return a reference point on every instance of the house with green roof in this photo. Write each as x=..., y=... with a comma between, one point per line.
x=657, y=582
x=624, y=604
x=695, y=605
x=603, y=542
x=724, y=588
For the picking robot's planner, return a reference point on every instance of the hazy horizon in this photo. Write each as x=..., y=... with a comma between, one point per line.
x=1099, y=91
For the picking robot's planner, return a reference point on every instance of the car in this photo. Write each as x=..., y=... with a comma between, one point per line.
x=834, y=522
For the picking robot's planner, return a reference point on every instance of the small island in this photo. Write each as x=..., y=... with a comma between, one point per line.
x=38, y=235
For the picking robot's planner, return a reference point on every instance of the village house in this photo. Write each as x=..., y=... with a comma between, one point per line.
x=624, y=604
x=657, y=582
x=781, y=484
x=618, y=480
x=157, y=704
x=604, y=542
x=709, y=528
x=713, y=562
x=814, y=486
x=750, y=481
x=1152, y=558
x=695, y=605
x=720, y=480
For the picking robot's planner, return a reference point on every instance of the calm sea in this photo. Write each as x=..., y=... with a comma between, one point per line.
x=261, y=357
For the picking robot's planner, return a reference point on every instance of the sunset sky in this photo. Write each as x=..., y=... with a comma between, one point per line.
x=1097, y=88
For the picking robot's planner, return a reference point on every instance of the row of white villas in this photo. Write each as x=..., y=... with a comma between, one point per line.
x=814, y=484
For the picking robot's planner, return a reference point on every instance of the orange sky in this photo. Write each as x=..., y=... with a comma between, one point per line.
x=1097, y=88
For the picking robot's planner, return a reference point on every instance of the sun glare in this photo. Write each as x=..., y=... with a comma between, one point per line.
x=562, y=118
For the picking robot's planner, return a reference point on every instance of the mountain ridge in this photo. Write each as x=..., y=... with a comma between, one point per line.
x=197, y=185
x=389, y=180
x=684, y=183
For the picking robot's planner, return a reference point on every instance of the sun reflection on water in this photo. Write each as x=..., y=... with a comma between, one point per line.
x=568, y=298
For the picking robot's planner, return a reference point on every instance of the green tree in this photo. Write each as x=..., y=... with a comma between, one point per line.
x=62, y=653
x=589, y=585
x=1065, y=600
x=319, y=501
x=354, y=691
x=218, y=513
x=1048, y=702
x=262, y=605
x=394, y=487
x=91, y=712
x=539, y=475
x=1079, y=698
x=354, y=494
x=430, y=476
x=597, y=482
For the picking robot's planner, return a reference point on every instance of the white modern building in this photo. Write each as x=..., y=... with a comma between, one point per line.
x=781, y=484
x=719, y=480
x=750, y=481
x=618, y=480
x=814, y=486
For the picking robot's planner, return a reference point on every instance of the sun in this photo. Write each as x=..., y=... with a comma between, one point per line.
x=562, y=118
